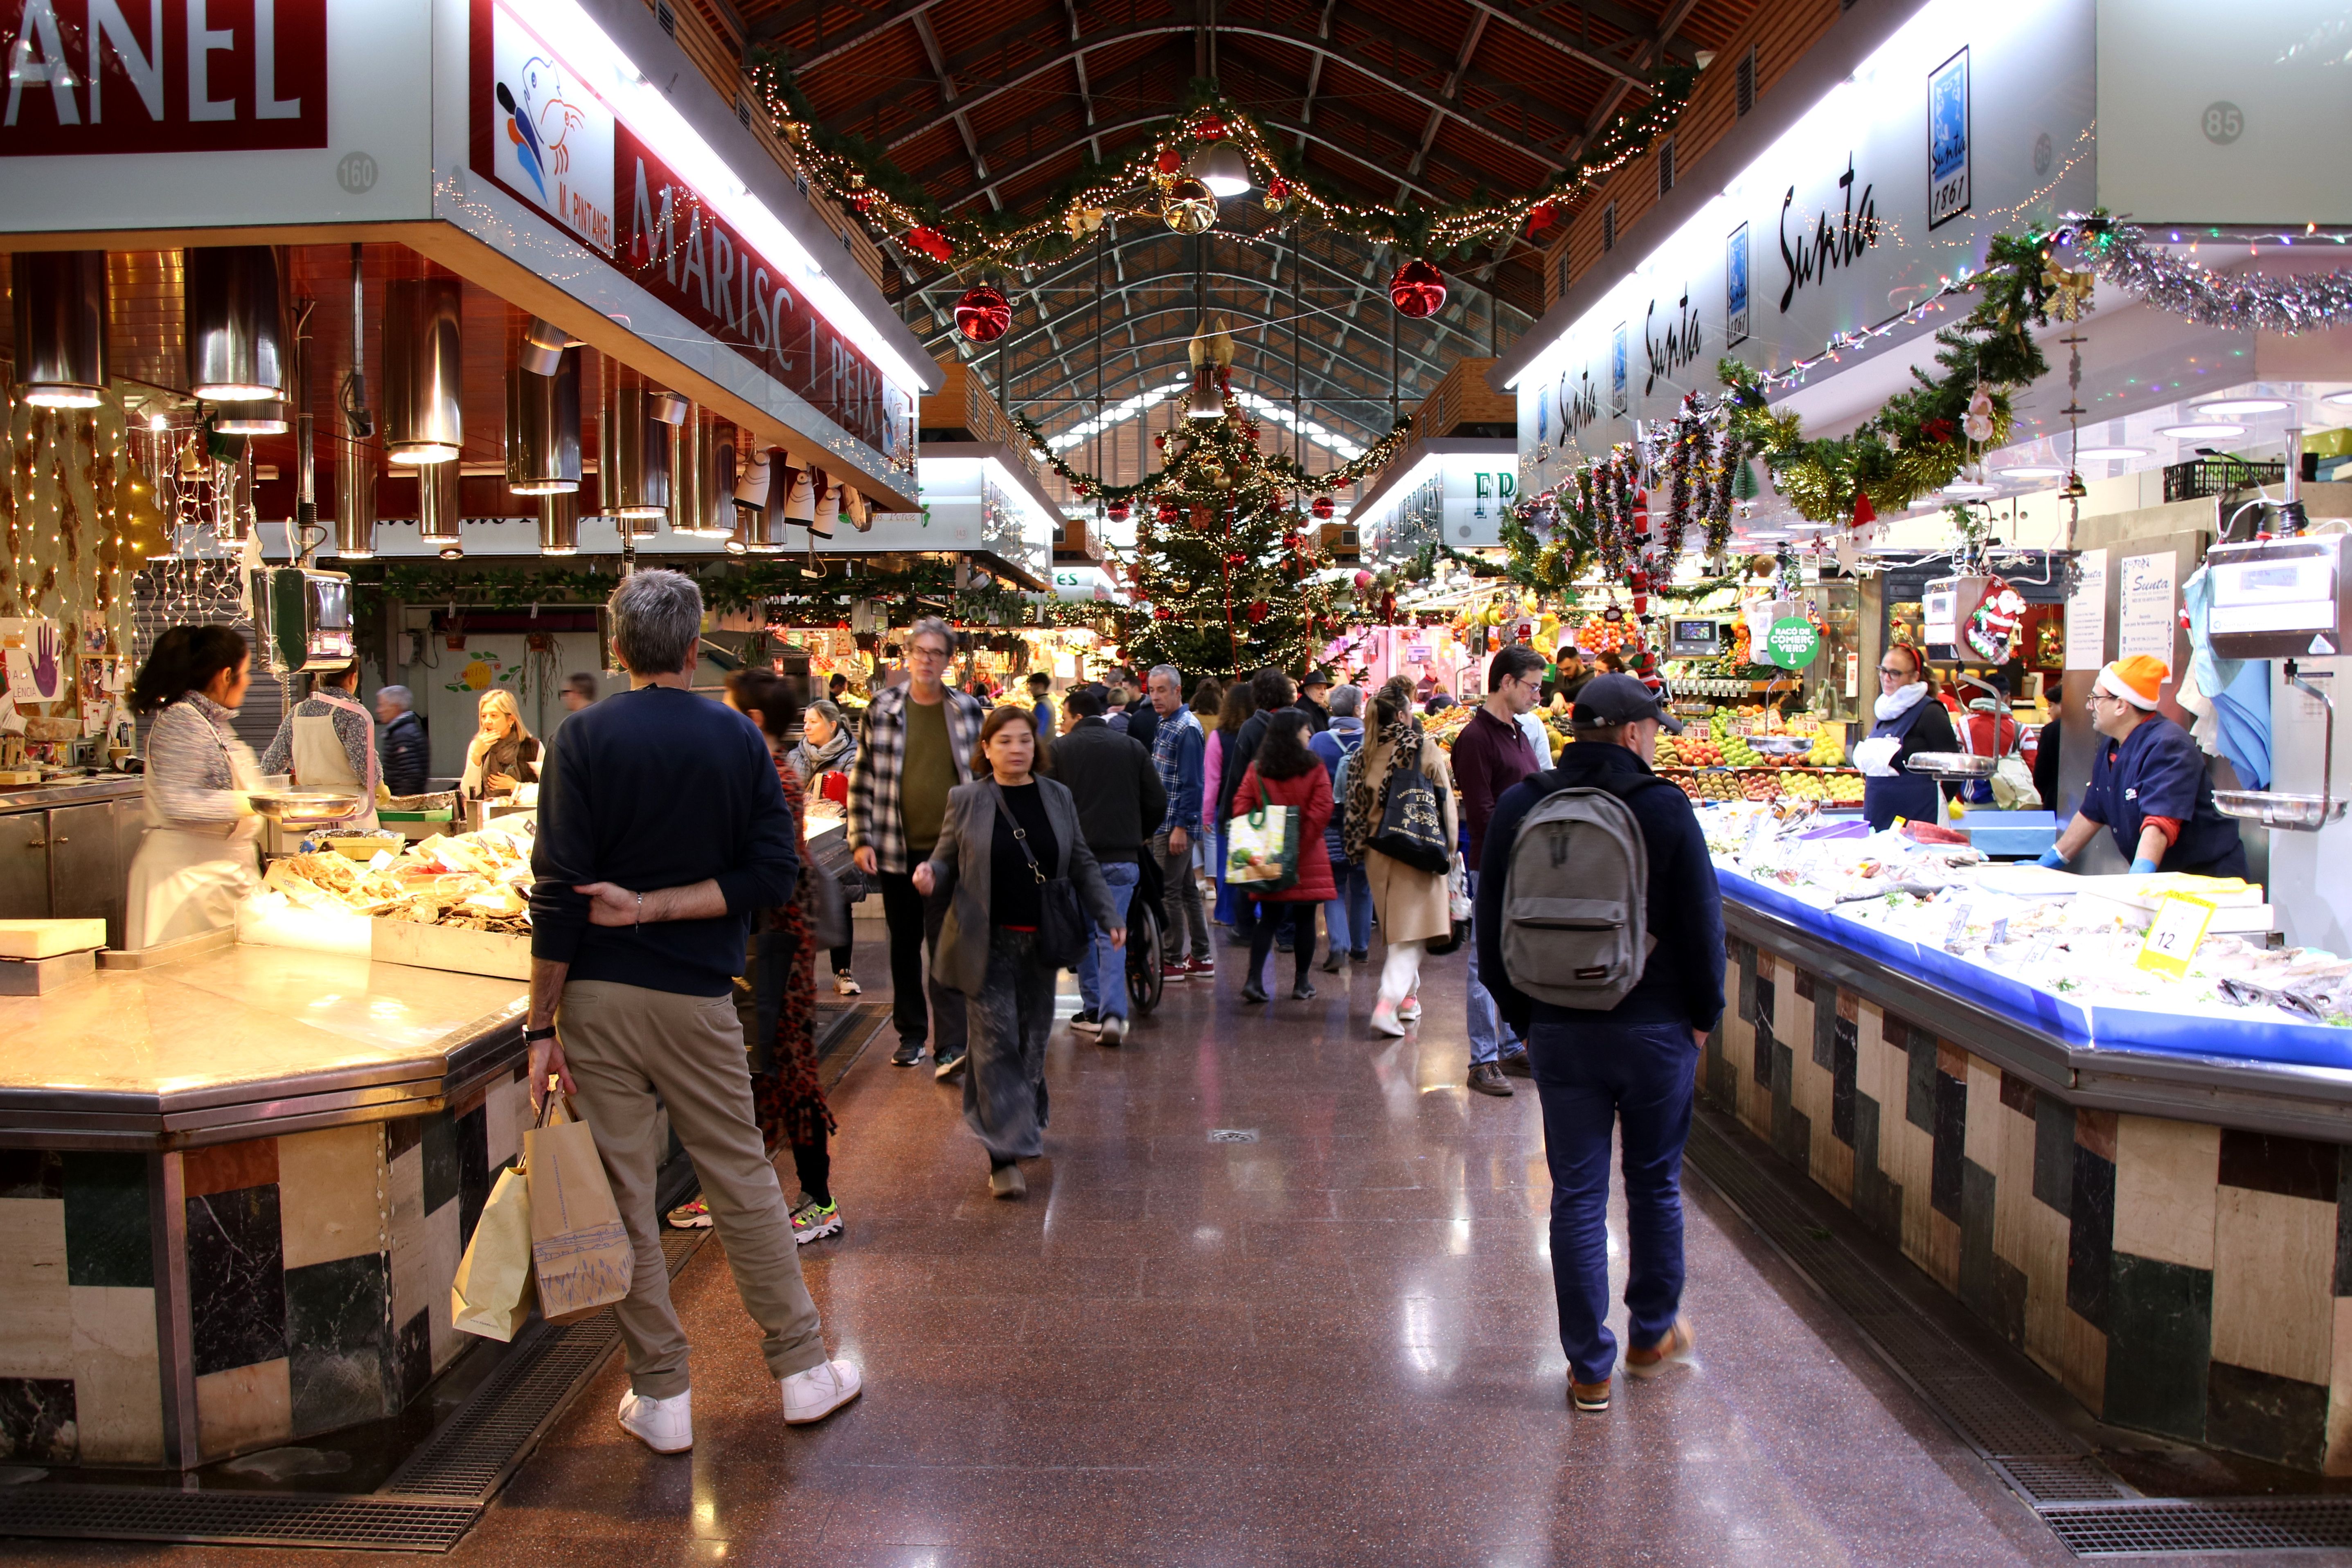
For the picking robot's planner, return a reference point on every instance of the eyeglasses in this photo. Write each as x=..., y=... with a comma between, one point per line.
x=1885, y=673
x=924, y=652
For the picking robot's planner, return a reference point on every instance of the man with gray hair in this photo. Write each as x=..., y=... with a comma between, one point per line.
x=1178, y=749
x=916, y=745
x=640, y=913
x=403, y=749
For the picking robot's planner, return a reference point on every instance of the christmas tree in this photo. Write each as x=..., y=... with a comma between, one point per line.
x=1226, y=574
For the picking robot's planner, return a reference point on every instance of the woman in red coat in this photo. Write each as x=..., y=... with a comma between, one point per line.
x=1285, y=773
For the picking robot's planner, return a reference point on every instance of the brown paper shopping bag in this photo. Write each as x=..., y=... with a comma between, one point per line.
x=578, y=1249
x=492, y=1294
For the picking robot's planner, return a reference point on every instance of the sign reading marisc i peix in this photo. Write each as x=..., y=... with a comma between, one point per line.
x=546, y=137
x=163, y=76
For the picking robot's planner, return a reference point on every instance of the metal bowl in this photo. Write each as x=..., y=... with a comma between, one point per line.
x=1952, y=765
x=2299, y=813
x=296, y=807
x=1782, y=745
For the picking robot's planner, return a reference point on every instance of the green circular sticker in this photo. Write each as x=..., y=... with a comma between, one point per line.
x=1792, y=643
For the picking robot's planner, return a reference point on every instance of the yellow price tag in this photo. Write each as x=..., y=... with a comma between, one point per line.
x=2174, y=934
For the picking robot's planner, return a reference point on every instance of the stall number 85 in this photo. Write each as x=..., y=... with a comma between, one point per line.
x=2224, y=122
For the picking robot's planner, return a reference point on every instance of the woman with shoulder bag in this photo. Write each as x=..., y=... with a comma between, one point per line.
x=787, y=1091
x=1285, y=773
x=1401, y=826
x=1022, y=887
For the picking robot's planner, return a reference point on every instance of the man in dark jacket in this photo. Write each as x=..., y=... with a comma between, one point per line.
x=1314, y=699
x=403, y=749
x=1121, y=805
x=1633, y=1064
x=1492, y=754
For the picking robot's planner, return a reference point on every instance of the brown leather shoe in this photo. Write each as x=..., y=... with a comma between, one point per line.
x=1486, y=1077
x=1675, y=1347
x=1590, y=1397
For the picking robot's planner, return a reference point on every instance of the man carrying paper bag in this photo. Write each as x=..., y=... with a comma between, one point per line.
x=640, y=918
x=492, y=1294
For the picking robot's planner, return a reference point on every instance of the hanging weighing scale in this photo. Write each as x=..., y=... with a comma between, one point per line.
x=2283, y=598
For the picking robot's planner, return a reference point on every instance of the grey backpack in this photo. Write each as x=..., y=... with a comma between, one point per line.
x=1576, y=928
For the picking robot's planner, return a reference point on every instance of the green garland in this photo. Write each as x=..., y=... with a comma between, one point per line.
x=1135, y=179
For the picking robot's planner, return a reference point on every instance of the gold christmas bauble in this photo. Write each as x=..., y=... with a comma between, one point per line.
x=1189, y=207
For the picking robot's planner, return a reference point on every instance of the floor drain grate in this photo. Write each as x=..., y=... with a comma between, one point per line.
x=481, y=1444
x=2154, y=1526
x=237, y=1518
x=1233, y=1134
x=2067, y=1479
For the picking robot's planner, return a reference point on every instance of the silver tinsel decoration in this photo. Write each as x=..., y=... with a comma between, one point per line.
x=2121, y=255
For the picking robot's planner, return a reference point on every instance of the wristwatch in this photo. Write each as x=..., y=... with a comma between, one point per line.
x=533, y=1037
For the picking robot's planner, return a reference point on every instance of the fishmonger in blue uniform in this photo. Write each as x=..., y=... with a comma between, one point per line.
x=2149, y=786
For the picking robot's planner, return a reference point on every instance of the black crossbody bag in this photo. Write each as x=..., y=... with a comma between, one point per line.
x=1063, y=930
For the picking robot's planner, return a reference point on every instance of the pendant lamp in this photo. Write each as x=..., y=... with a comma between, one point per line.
x=1206, y=401
x=558, y=522
x=854, y=510
x=799, y=492
x=633, y=452
x=266, y=417
x=233, y=323
x=543, y=427
x=826, y=511
x=423, y=371
x=702, y=492
x=61, y=299
x=543, y=343
x=355, y=504
x=440, y=510
x=769, y=524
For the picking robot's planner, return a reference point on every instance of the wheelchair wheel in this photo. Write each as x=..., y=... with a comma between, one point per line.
x=1144, y=955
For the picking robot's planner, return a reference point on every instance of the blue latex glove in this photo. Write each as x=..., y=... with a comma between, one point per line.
x=2051, y=859
x=2142, y=867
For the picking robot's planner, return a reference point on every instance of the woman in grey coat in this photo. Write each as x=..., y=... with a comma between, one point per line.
x=1003, y=836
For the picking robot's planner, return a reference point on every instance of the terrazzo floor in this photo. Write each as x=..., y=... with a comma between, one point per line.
x=1335, y=1344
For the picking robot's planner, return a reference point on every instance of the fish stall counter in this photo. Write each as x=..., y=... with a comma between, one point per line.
x=237, y=1173
x=2112, y=1121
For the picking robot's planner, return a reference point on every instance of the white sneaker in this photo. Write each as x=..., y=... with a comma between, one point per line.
x=1384, y=1020
x=1113, y=1030
x=1409, y=1010
x=813, y=1395
x=665, y=1426
x=842, y=985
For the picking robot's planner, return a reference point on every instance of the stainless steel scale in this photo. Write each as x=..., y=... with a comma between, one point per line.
x=2290, y=599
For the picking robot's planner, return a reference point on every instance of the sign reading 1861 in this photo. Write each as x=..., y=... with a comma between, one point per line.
x=1792, y=643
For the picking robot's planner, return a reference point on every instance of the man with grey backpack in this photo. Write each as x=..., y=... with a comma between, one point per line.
x=1600, y=932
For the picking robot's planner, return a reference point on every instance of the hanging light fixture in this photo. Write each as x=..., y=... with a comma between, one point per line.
x=233, y=323
x=769, y=523
x=1221, y=166
x=558, y=522
x=543, y=427
x=826, y=511
x=355, y=504
x=854, y=510
x=799, y=491
x=61, y=298
x=702, y=492
x=1206, y=401
x=440, y=510
x=264, y=418
x=633, y=452
x=423, y=371
x=543, y=343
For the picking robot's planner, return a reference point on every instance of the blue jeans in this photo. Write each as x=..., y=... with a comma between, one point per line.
x=1348, y=919
x=1490, y=1037
x=1592, y=1076
x=1102, y=968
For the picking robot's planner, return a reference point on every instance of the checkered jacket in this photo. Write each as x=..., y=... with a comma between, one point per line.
x=874, y=821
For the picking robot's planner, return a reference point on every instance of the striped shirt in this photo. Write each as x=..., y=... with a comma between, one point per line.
x=188, y=770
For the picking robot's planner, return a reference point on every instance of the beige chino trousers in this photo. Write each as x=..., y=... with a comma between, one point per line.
x=626, y=1046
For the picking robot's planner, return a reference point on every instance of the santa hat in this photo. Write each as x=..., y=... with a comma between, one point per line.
x=2135, y=679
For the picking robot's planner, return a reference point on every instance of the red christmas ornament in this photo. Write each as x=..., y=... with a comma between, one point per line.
x=1116, y=511
x=1542, y=216
x=1163, y=614
x=1321, y=507
x=1258, y=611
x=983, y=314
x=1417, y=291
x=862, y=201
x=1211, y=129
x=1277, y=189
x=1171, y=162
x=932, y=243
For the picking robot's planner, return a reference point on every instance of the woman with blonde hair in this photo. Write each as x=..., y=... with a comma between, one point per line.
x=1412, y=902
x=502, y=753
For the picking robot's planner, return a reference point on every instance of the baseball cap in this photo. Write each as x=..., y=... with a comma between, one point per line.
x=1607, y=701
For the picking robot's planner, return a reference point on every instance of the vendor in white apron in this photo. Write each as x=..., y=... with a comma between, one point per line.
x=327, y=742
x=196, y=863
x=1908, y=719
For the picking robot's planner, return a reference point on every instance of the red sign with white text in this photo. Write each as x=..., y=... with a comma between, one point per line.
x=163, y=76
x=535, y=128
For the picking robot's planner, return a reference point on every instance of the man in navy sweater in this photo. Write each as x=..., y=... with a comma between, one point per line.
x=1634, y=1064
x=662, y=827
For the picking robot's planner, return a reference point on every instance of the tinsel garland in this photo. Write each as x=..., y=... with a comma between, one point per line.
x=866, y=180
x=2120, y=254
x=1730, y=453
x=1620, y=475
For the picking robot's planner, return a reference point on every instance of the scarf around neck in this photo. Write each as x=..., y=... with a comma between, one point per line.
x=1366, y=796
x=1900, y=700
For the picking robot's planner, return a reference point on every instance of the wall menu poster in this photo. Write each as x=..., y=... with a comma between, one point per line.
x=2146, y=613
x=2086, y=614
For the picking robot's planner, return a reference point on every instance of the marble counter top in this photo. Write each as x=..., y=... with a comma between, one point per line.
x=192, y=1049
